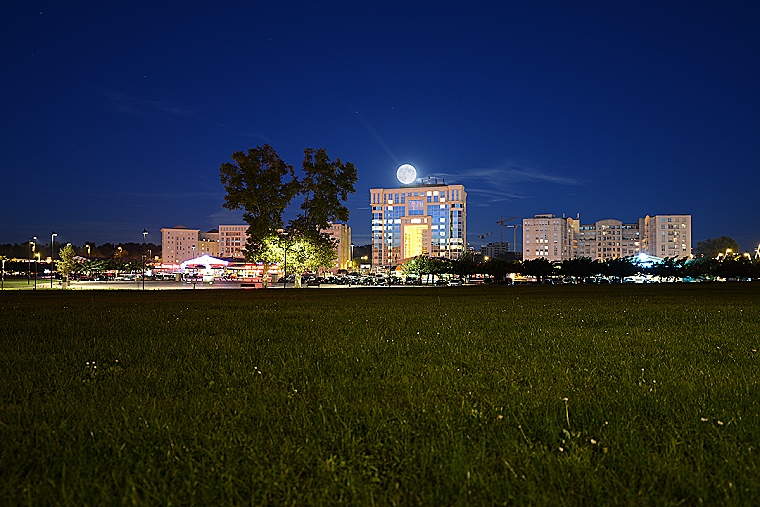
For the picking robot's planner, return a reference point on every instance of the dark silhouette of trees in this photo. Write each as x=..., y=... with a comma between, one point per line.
x=540, y=268
x=714, y=246
x=261, y=184
x=579, y=267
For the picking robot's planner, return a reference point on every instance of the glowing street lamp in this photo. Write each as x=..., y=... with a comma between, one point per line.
x=52, y=256
x=145, y=233
x=36, y=263
x=285, y=264
x=32, y=244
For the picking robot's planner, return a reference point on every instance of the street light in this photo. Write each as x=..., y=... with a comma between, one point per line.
x=145, y=233
x=52, y=256
x=285, y=264
x=32, y=244
x=36, y=263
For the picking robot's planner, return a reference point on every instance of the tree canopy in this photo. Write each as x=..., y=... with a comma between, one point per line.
x=67, y=264
x=261, y=184
x=324, y=186
x=254, y=183
x=714, y=246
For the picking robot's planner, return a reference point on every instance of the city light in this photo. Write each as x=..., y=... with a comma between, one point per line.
x=144, y=233
x=52, y=256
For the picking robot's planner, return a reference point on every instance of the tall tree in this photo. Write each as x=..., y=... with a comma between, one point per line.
x=309, y=254
x=713, y=246
x=619, y=268
x=66, y=265
x=325, y=187
x=465, y=265
x=580, y=267
x=254, y=183
x=540, y=268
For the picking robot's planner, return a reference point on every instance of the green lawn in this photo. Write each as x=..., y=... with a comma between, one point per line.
x=570, y=395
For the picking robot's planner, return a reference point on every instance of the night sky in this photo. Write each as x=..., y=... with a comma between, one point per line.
x=117, y=115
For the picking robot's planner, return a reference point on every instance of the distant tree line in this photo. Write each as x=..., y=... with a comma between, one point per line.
x=126, y=257
x=584, y=269
x=127, y=251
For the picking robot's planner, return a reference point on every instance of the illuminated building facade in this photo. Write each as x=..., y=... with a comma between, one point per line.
x=208, y=243
x=417, y=220
x=557, y=239
x=496, y=250
x=666, y=235
x=341, y=234
x=549, y=237
x=232, y=241
x=608, y=239
x=178, y=244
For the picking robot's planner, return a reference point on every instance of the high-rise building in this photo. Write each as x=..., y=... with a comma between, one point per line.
x=178, y=244
x=549, y=237
x=608, y=239
x=666, y=235
x=557, y=239
x=417, y=220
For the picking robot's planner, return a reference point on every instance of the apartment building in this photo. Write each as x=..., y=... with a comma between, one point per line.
x=208, y=243
x=608, y=239
x=341, y=235
x=418, y=220
x=495, y=250
x=550, y=237
x=557, y=239
x=232, y=240
x=178, y=244
x=666, y=235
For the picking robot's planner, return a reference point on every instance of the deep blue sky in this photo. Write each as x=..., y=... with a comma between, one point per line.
x=116, y=116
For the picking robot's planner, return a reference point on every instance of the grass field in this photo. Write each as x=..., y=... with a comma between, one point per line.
x=570, y=395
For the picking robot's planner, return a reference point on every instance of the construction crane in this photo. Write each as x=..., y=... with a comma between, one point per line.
x=482, y=237
x=504, y=225
x=514, y=235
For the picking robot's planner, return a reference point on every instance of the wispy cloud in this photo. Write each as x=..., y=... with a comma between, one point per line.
x=227, y=216
x=138, y=106
x=504, y=182
x=492, y=196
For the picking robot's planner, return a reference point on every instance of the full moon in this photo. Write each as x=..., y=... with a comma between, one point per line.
x=406, y=174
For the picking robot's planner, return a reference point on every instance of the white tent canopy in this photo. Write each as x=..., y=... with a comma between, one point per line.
x=204, y=260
